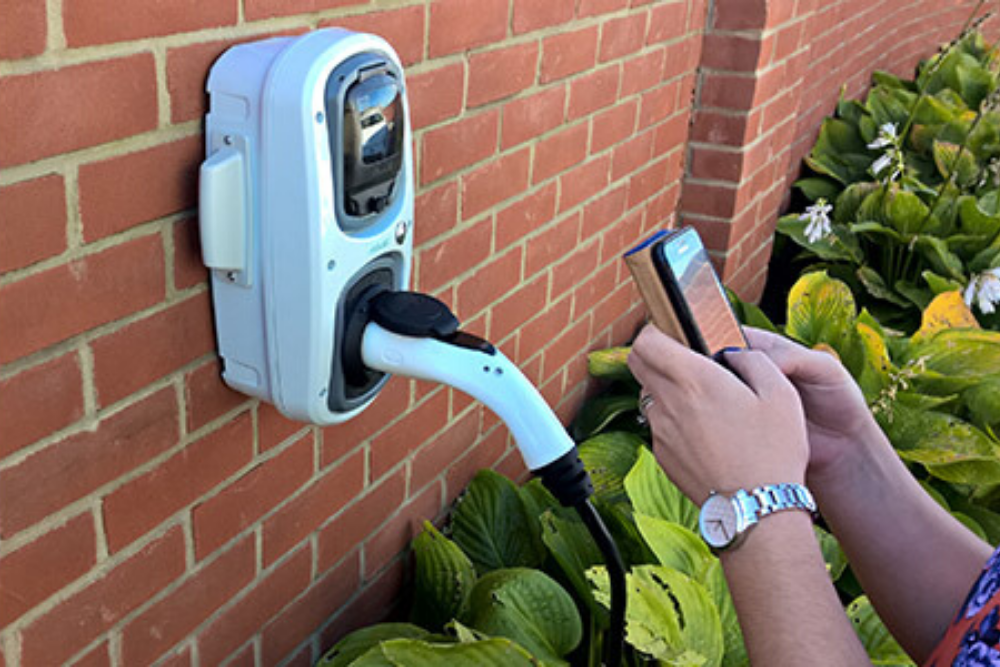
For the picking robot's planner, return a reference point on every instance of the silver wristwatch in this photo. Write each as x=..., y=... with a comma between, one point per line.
x=724, y=520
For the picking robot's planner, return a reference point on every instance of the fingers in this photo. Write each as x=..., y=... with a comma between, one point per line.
x=759, y=372
x=656, y=354
x=800, y=364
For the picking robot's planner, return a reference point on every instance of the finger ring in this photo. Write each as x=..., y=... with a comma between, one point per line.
x=645, y=401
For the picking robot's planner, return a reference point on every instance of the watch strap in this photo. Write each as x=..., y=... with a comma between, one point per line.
x=770, y=498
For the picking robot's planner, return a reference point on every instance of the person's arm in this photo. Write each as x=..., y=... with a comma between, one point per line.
x=914, y=560
x=712, y=431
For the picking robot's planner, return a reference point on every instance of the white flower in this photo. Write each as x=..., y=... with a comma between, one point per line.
x=985, y=290
x=819, y=220
x=879, y=165
x=886, y=137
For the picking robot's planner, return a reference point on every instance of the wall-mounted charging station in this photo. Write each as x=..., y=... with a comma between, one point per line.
x=306, y=215
x=306, y=202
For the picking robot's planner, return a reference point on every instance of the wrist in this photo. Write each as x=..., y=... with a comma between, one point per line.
x=856, y=458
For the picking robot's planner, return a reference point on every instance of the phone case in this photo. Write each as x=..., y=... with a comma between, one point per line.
x=647, y=279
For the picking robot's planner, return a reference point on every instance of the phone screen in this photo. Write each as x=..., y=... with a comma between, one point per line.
x=704, y=298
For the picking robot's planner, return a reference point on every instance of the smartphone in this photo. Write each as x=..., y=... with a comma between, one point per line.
x=695, y=293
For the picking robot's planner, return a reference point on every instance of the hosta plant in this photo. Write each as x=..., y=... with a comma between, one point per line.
x=904, y=189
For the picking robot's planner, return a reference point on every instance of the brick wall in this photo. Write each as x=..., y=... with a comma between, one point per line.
x=147, y=513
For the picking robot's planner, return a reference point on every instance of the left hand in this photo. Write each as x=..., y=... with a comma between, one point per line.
x=712, y=431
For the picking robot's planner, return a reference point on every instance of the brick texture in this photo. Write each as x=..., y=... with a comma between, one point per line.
x=151, y=515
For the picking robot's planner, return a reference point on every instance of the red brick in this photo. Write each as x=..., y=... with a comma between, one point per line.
x=716, y=165
x=111, y=99
x=377, y=601
x=431, y=460
x=458, y=25
x=99, y=656
x=631, y=155
x=445, y=261
x=568, y=346
x=24, y=29
x=731, y=52
x=260, y=604
x=509, y=314
x=621, y=236
x=396, y=535
x=490, y=283
x=59, y=303
x=402, y=27
x=89, y=22
x=171, y=619
x=68, y=470
x=483, y=454
x=207, y=396
x=646, y=183
x=456, y=145
x=501, y=73
x=359, y=520
x=605, y=211
x=263, y=9
x=87, y=614
x=719, y=127
x=531, y=117
x=552, y=244
x=436, y=212
x=643, y=72
x=243, y=502
x=300, y=517
x=392, y=401
x=188, y=269
x=593, y=91
x=622, y=36
x=305, y=616
x=568, y=53
x=613, y=126
x=35, y=571
x=740, y=14
x=180, y=658
x=395, y=443
x=531, y=15
x=495, y=182
x=274, y=428
x=666, y=22
x=436, y=95
x=559, y=152
x=39, y=401
x=34, y=221
x=596, y=7
x=118, y=193
x=658, y=104
x=671, y=135
x=147, y=501
x=529, y=213
x=596, y=289
x=150, y=348
x=710, y=200
x=583, y=182
x=575, y=268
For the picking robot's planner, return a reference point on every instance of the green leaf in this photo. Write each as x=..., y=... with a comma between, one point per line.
x=669, y=616
x=444, y=576
x=941, y=260
x=493, y=528
x=749, y=314
x=966, y=353
x=609, y=364
x=494, y=652
x=817, y=187
x=880, y=645
x=950, y=159
x=847, y=204
x=905, y=212
x=940, y=284
x=878, y=233
x=732, y=634
x=653, y=494
x=573, y=548
x=983, y=402
x=831, y=247
x=359, y=642
x=608, y=457
x=833, y=555
x=840, y=152
x=820, y=310
x=875, y=286
x=981, y=217
x=675, y=546
x=528, y=607
x=599, y=412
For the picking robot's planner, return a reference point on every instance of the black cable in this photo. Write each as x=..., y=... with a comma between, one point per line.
x=615, y=646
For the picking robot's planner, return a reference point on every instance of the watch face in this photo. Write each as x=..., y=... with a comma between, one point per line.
x=718, y=522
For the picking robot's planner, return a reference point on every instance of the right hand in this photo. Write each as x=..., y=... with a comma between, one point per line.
x=838, y=420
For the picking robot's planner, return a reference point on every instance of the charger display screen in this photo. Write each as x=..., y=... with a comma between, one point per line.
x=706, y=302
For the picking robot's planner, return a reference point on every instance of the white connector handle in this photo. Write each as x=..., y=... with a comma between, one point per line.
x=488, y=377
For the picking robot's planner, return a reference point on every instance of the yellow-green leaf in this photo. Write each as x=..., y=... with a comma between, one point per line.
x=821, y=309
x=610, y=364
x=946, y=311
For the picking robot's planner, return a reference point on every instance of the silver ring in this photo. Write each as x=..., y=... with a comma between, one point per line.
x=645, y=400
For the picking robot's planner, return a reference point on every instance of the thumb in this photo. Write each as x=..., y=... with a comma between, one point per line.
x=799, y=364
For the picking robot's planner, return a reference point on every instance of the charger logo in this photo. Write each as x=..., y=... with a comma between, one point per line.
x=380, y=246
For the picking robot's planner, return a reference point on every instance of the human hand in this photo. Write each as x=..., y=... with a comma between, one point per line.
x=837, y=417
x=712, y=431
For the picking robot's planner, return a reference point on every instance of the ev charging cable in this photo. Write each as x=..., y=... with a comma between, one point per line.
x=417, y=336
